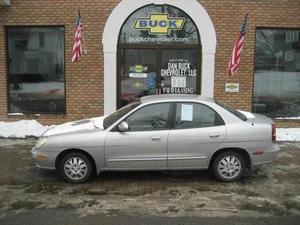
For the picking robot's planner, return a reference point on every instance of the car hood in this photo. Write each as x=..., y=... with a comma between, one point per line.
x=75, y=126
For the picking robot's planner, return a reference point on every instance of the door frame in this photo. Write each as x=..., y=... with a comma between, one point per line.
x=158, y=48
x=110, y=40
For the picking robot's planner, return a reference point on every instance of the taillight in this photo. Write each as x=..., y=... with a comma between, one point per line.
x=273, y=132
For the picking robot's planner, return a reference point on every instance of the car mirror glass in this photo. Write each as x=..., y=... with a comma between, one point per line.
x=123, y=126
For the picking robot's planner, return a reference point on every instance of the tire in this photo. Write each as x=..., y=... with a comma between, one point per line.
x=75, y=168
x=228, y=166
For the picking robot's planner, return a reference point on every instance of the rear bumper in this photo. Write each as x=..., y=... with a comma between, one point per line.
x=269, y=155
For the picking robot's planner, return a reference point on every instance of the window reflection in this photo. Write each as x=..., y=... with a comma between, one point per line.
x=36, y=70
x=188, y=34
x=138, y=74
x=277, y=72
x=152, y=117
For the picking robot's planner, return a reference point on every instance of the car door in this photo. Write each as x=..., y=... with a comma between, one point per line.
x=197, y=129
x=144, y=145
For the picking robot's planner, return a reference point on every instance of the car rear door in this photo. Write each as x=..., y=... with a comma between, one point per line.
x=144, y=146
x=197, y=130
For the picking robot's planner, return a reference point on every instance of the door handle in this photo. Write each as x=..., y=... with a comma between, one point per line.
x=156, y=138
x=214, y=135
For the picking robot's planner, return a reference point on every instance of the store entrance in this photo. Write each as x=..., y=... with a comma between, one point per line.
x=157, y=70
x=159, y=52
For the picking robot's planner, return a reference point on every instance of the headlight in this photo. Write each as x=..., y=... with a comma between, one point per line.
x=40, y=143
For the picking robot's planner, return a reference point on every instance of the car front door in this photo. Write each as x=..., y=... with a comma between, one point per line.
x=144, y=145
x=196, y=131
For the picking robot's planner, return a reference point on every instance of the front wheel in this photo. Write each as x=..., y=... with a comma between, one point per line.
x=228, y=166
x=75, y=167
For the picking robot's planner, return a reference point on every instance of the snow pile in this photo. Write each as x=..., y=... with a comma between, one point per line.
x=288, y=134
x=21, y=129
x=288, y=118
x=32, y=128
x=80, y=125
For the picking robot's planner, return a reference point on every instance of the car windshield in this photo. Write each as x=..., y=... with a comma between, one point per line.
x=232, y=110
x=112, y=118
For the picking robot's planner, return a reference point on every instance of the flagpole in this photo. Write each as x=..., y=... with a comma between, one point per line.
x=84, y=50
x=237, y=49
x=79, y=45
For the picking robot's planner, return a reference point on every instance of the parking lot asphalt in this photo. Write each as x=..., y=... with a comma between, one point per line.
x=266, y=195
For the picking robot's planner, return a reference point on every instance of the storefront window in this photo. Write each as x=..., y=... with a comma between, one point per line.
x=277, y=73
x=36, y=70
x=159, y=49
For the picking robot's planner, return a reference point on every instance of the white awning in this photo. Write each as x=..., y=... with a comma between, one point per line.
x=5, y=3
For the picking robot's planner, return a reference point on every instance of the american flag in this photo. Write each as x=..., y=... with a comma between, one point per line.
x=77, y=48
x=237, y=49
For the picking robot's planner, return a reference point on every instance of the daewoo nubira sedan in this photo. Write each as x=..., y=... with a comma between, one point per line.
x=161, y=132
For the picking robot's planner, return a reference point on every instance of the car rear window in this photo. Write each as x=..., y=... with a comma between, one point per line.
x=232, y=110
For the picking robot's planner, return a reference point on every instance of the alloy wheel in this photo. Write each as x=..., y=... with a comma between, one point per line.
x=75, y=168
x=229, y=167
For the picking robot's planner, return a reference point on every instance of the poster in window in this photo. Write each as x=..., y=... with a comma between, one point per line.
x=186, y=112
x=178, y=77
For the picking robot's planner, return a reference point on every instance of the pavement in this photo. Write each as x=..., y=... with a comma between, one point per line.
x=67, y=217
x=267, y=195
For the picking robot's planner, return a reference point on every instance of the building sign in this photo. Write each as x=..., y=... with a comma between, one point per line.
x=179, y=67
x=178, y=76
x=178, y=82
x=232, y=87
x=138, y=75
x=138, y=71
x=159, y=23
x=138, y=68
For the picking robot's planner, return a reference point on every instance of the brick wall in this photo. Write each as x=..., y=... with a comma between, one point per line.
x=84, y=81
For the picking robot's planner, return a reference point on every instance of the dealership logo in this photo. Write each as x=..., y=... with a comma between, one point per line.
x=159, y=23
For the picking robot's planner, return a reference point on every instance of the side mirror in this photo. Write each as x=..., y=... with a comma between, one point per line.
x=123, y=126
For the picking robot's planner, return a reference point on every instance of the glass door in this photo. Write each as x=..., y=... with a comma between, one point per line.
x=148, y=71
x=138, y=74
x=179, y=71
x=159, y=52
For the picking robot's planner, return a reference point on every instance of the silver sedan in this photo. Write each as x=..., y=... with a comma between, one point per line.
x=161, y=132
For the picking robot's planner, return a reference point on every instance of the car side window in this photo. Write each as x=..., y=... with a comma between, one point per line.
x=195, y=115
x=151, y=117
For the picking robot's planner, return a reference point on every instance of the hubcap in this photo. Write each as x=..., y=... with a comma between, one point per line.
x=229, y=167
x=75, y=168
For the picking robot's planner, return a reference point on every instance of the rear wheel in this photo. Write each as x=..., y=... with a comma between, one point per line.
x=228, y=166
x=75, y=167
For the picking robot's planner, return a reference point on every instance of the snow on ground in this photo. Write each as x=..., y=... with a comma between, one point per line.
x=288, y=118
x=32, y=128
x=21, y=129
x=288, y=134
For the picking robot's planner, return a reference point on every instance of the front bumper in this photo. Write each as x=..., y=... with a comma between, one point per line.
x=269, y=155
x=43, y=160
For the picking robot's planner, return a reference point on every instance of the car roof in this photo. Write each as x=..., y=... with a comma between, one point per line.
x=174, y=97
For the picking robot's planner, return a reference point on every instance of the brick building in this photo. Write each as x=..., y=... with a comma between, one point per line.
x=135, y=48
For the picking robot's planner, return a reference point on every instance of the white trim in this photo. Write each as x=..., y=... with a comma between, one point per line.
x=110, y=40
